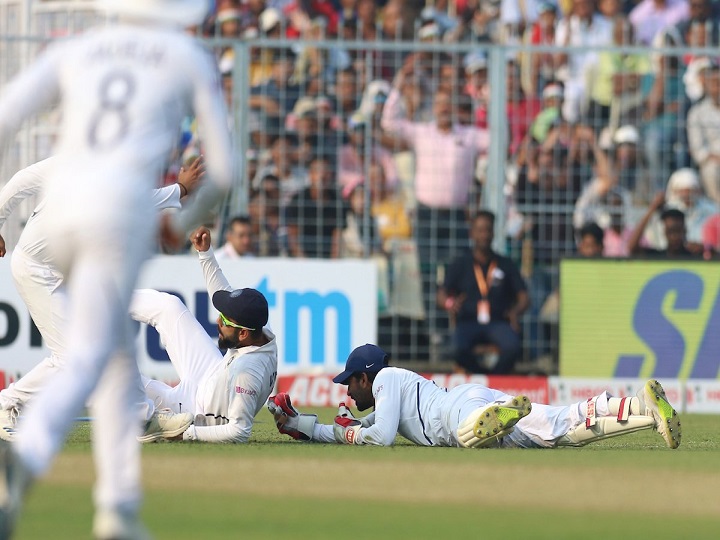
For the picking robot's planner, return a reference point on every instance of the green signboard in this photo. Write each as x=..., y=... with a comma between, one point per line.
x=639, y=318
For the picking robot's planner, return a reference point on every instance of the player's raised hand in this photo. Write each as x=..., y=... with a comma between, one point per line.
x=189, y=177
x=2, y=246
x=200, y=238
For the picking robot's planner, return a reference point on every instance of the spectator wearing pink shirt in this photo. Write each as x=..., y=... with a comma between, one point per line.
x=445, y=157
x=649, y=17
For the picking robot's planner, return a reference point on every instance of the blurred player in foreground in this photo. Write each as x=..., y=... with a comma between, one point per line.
x=123, y=91
x=224, y=393
x=470, y=415
x=41, y=286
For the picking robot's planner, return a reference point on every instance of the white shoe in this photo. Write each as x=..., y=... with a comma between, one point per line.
x=15, y=479
x=113, y=525
x=165, y=424
x=653, y=402
x=8, y=423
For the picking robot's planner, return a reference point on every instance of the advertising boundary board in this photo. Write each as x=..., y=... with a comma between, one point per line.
x=319, y=309
x=640, y=318
x=690, y=396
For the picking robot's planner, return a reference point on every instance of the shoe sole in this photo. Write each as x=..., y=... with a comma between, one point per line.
x=499, y=420
x=168, y=434
x=669, y=426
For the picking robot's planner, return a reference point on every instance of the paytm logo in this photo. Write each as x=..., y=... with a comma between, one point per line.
x=306, y=313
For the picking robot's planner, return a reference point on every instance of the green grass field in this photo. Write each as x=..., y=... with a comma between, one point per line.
x=628, y=487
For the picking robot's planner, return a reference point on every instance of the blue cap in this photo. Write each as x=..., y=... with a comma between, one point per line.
x=364, y=359
x=247, y=307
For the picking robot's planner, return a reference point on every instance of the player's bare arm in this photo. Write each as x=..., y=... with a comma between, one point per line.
x=2, y=246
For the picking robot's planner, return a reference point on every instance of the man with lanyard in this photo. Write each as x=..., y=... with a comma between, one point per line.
x=485, y=295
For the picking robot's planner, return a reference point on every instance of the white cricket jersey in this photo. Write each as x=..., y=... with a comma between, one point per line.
x=231, y=394
x=31, y=181
x=124, y=91
x=410, y=405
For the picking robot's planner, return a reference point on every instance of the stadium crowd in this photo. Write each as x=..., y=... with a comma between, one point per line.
x=382, y=151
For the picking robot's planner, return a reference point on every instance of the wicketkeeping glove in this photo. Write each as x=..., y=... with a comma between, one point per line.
x=289, y=420
x=346, y=426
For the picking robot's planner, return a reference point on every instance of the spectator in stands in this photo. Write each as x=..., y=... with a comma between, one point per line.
x=650, y=17
x=664, y=109
x=583, y=28
x=552, y=96
x=346, y=96
x=673, y=221
x=278, y=95
x=608, y=206
x=445, y=155
x=617, y=74
x=476, y=79
x=319, y=63
x=282, y=163
x=521, y=109
x=351, y=158
x=479, y=22
x=592, y=205
x=264, y=209
x=711, y=233
x=703, y=130
x=629, y=165
x=684, y=193
x=300, y=15
x=316, y=216
x=359, y=239
x=611, y=8
x=590, y=241
x=539, y=67
x=238, y=240
x=486, y=296
x=388, y=208
x=516, y=16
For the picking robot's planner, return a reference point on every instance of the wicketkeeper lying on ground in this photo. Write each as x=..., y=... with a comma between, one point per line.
x=470, y=415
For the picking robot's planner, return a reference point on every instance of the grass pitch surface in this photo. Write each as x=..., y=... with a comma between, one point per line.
x=627, y=487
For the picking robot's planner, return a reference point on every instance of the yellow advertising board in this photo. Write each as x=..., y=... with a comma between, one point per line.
x=639, y=318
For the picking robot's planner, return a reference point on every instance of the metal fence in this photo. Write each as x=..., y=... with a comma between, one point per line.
x=548, y=138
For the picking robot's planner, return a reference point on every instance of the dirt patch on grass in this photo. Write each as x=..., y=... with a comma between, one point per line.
x=601, y=488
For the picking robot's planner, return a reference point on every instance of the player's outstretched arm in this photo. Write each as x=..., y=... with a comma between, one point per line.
x=215, y=280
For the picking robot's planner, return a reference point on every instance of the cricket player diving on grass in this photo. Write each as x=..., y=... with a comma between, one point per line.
x=123, y=92
x=224, y=393
x=470, y=415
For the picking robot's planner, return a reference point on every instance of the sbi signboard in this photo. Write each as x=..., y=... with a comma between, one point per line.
x=639, y=318
x=320, y=310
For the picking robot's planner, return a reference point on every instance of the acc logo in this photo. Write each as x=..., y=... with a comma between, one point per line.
x=241, y=390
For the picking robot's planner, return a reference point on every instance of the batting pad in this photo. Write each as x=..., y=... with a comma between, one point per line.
x=605, y=428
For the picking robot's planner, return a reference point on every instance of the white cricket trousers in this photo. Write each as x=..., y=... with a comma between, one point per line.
x=42, y=288
x=100, y=255
x=540, y=429
x=193, y=353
